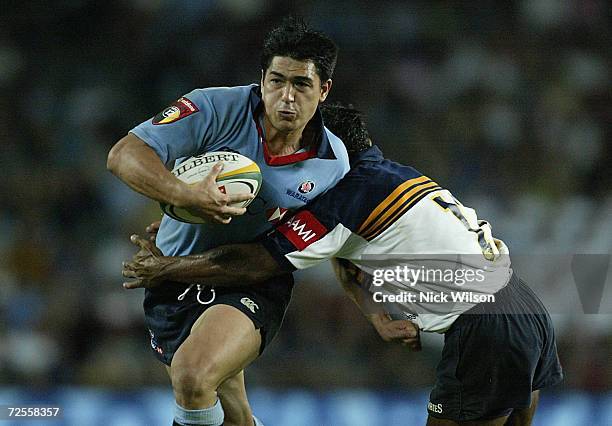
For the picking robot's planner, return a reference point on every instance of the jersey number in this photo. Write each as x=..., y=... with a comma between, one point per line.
x=485, y=245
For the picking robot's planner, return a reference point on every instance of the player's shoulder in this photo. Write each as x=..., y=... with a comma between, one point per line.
x=232, y=91
x=379, y=176
x=220, y=97
x=392, y=174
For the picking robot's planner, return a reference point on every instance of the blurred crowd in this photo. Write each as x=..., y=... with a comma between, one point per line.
x=507, y=105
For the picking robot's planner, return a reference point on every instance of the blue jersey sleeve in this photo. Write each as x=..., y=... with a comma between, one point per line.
x=182, y=129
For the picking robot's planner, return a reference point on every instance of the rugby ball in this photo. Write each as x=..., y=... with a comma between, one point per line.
x=240, y=174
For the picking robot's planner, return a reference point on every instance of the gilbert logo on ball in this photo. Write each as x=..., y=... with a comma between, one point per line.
x=240, y=174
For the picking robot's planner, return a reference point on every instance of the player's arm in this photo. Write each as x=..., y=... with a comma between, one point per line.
x=348, y=275
x=140, y=158
x=351, y=278
x=240, y=264
x=137, y=164
x=228, y=266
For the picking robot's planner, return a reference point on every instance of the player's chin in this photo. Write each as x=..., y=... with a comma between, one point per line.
x=287, y=125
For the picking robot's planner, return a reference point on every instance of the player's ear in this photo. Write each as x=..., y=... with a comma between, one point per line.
x=263, y=74
x=325, y=88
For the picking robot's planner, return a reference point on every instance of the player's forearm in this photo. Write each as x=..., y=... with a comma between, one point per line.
x=235, y=265
x=136, y=164
x=363, y=300
x=353, y=290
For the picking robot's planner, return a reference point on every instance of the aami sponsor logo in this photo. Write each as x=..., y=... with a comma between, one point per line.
x=303, y=229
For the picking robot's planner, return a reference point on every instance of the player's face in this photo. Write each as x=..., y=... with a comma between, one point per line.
x=291, y=91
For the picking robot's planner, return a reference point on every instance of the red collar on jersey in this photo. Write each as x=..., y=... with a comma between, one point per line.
x=281, y=160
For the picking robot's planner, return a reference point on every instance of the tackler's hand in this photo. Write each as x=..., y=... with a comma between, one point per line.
x=147, y=265
x=400, y=331
x=152, y=230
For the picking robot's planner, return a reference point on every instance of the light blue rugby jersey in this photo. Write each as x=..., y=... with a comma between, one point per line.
x=224, y=119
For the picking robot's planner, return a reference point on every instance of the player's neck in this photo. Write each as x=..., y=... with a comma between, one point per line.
x=281, y=143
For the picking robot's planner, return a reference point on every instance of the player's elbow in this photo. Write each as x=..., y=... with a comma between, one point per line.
x=116, y=155
x=112, y=160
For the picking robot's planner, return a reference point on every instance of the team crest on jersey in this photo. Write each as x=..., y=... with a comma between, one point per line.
x=306, y=186
x=179, y=109
x=276, y=214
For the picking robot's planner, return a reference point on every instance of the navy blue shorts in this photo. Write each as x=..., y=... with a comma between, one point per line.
x=169, y=320
x=494, y=356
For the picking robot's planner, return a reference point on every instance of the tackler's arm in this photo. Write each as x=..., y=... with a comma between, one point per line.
x=353, y=279
x=235, y=265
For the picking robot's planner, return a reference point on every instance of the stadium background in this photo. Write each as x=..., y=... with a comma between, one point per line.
x=507, y=106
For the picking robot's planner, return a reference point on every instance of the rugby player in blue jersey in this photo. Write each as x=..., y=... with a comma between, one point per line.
x=207, y=336
x=497, y=354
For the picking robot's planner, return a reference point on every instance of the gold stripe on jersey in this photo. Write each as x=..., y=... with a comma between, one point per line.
x=402, y=201
x=402, y=195
x=374, y=217
x=402, y=208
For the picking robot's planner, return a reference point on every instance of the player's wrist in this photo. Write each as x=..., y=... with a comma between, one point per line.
x=377, y=319
x=181, y=195
x=371, y=318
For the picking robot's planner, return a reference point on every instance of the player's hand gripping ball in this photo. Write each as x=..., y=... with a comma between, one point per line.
x=240, y=175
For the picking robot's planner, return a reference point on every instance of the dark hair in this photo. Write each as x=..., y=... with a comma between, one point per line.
x=348, y=124
x=294, y=39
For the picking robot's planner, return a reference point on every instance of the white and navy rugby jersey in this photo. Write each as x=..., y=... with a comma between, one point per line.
x=382, y=215
x=227, y=119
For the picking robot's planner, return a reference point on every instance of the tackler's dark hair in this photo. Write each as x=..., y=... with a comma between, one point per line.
x=294, y=39
x=348, y=124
